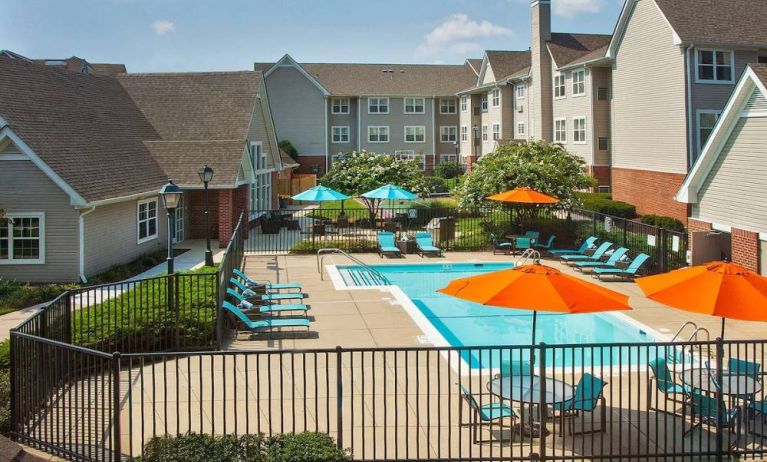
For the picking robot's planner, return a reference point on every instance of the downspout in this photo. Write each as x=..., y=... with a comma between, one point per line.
x=327, y=140
x=81, y=226
x=688, y=79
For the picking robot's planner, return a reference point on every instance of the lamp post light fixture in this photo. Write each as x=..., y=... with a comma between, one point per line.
x=171, y=197
x=206, y=175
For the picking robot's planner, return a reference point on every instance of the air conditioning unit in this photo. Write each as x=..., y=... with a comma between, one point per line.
x=603, y=188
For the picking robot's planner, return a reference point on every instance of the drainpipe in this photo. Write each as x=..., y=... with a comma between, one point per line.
x=688, y=79
x=81, y=231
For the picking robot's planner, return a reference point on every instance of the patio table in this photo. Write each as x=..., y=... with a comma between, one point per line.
x=732, y=384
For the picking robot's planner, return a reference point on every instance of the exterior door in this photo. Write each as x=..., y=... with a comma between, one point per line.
x=178, y=225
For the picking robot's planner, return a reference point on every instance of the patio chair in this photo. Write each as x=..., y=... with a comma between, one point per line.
x=547, y=246
x=755, y=418
x=751, y=369
x=501, y=246
x=253, y=284
x=250, y=295
x=624, y=274
x=588, y=394
x=386, y=245
x=523, y=243
x=587, y=244
x=514, y=368
x=664, y=383
x=425, y=245
x=266, y=309
x=484, y=414
x=618, y=255
x=264, y=326
x=596, y=256
x=705, y=409
x=533, y=235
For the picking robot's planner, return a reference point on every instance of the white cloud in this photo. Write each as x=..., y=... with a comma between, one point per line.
x=459, y=34
x=572, y=8
x=163, y=27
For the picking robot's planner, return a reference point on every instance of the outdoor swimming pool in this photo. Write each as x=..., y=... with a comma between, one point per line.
x=461, y=324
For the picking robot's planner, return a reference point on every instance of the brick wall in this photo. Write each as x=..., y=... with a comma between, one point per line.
x=226, y=214
x=196, y=209
x=307, y=162
x=694, y=225
x=651, y=192
x=745, y=248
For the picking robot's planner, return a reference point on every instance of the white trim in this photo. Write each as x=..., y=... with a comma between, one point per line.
x=585, y=130
x=40, y=239
x=415, y=134
x=333, y=134
x=288, y=61
x=620, y=28
x=715, y=81
x=753, y=114
x=359, y=124
x=524, y=129
x=3, y=123
x=81, y=239
x=414, y=98
x=688, y=103
x=493, y=131
x=340, y=104
x=698, y=113
x=560, y=119
x=464, y=99
x=455, y=105
x=484, y=101
x=379, y=127
x=379, y=99
x=140, y=240
x=441, y=127
x=521, y=86
x=493, y=97
x=14, y=156
x=560, y=75
x=572, y=83
x=327, y=137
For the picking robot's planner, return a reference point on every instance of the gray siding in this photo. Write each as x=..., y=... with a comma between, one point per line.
x=349, y=120
x=571, y=107
x=649, y=118
x=446, y=120
x=600, y=78
x=734, y=192
x=261, y=127
x=396, y=120
x=522, y=113
x=25, y=188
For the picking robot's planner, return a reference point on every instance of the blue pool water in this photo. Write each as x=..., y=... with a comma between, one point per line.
x=465, y=324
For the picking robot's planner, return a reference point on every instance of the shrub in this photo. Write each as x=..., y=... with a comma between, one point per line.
x=304, y=447
x=288, y=147
x=436, y=184
x=597, y=202
x=663, y=222
x=358, y=246
x=5, y=386
x=15, y=295
x=449, y=169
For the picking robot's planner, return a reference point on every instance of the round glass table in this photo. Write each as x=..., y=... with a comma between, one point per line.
x=732, y=384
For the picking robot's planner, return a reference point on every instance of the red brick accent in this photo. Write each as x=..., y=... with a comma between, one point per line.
x=694, y=225
x=226, y=215
x=745, y=248
x=307, y=162
x=602, y=174
x=196, y=209
x=651, y=192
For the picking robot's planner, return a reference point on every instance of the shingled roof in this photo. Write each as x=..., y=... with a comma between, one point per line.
x=568, y=49
x=507, y=63
x=108, y=69
x=181, y=160
x=760, y=70
x=85, y=127
x=475, y=64
x=718, y=22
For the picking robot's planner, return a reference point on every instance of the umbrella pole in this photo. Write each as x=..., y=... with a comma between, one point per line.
x=723, y=321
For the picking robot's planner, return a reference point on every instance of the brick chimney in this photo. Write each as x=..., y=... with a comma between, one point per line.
x=541, y=88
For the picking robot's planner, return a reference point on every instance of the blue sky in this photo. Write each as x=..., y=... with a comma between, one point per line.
x=199, y=35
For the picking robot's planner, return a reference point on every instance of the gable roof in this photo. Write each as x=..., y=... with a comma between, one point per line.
x=754, y=78
x=570, y=49
x=81, y=126
x=180, y=160
x=507, y=63
x=108, y=69
x=475, y=64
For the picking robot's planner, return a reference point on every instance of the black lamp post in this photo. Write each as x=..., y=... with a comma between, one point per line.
x=206, y=175
x=171, y=196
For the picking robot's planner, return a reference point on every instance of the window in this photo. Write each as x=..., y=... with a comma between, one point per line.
x=603, y=94
x=378, y=105
x=261, y=186
x=464, y=133
x=378, y=134
x=496, y=95
x=706, y=123
x=147, y=220
x=447, y=158
x=447, y=106
x=484, y=102
x=340, y=106
x=22, y=239
x=448, y=134
x=520, y=129
x=415, y=134
x=520, y=91
x=464, y=103
x=579, y=83
x=559, y=86
x=484, y=133
x=715, y=66
x=414, y=105
x=603, y=143
x=579, y=130
x=496, y=132
x=560, y=130
x=408, y=154
x=341, y=134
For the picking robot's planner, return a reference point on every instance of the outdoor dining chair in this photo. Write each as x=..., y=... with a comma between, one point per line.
x=588, y=394
x=665, y=384
x=484, y=414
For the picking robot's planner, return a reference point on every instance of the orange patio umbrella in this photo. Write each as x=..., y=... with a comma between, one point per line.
x=524, y=196
x=536, y=287
x=718, y=288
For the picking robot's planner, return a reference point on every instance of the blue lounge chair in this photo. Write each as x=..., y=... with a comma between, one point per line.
x=386, y=245
x=664, y=383
x=268, y=296
x=483, y=414
x=268, y=285
x=629, y=273
x=588, y=394
x=504, y=247
x=523, y=243
x=587, y=244
x=533, y=235
x=425, y=245
x=547, y=246
x=616, y=256
x=596, y=256
x=705, y=409
x=266, y=309
x=267, y=325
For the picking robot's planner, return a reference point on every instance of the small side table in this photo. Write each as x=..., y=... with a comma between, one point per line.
x=406, y=246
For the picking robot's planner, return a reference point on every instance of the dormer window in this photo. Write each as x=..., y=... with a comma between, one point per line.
x=715, y=66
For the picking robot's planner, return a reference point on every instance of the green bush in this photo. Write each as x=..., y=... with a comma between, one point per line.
x=5, y=386
x=304, y=447
x=663, y=222
x=436, y=184
x=449, y=169
x=598, y=202
x=358, y=246
x=288, y=147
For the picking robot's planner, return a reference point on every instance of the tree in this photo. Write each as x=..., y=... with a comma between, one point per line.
x=545, y=167
x=288, y=147
x=449, y=169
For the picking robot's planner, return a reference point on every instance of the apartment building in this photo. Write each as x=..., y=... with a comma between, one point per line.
x=404, y=110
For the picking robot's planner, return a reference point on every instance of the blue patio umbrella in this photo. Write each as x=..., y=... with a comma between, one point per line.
x=390, y=192
x=320, y=194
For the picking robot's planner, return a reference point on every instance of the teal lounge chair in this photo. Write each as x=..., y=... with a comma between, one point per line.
x=425, y=245
x=588, y=394
x=616, y=256
x=266, y=309
x=266, y=326
x=704, y=409
x=268, y=296
x=547, y=246
x=484, y=414
x=252, y=284
x=629, y=273
x=587, y=244
x=386, y=245
x=664, y=383
x=505, y=247
x=596, y=256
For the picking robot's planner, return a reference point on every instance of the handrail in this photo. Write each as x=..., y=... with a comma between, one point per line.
x=698, y=331
x=321, y=257
x=527, y=255
x=679, y=332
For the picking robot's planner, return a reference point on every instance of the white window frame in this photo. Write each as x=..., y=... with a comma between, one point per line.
x=464, y=103
x=485, y=136
x=699, y=113
x=404, y=155
x=139, y=239
x=40, y=238
x=576, y=130
x=415, y=129
x=445, y=130
x=560, y=135
x=521, y=90
x=464, y=133
x=340, y=103
x=340, y=139
x=378, y=103
x=496, y=131
x=560, y=86
x=483, y=103
x=414, y=103
x=523, y=129
x=448, y=103
x=495, y=97
x=378, y=134
x=714, y=81
x=448, y=158
x=576, y=86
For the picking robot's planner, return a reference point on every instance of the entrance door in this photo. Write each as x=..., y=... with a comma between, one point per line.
x=178, y=225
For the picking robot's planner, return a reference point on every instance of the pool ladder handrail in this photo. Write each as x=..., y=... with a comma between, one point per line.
x=694, y=337
x=322, y=253
x=527, y=255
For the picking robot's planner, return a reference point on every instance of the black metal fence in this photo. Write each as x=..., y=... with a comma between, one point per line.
x=454, y=229
x=231, y=259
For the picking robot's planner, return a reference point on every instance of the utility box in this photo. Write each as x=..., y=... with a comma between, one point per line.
x=442, y=229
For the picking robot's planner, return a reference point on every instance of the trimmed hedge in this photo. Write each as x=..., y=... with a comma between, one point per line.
x=356, y=245
x=601, y=203
x=663, y=222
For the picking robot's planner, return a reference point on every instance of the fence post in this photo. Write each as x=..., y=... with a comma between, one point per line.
x=719, y=400
x=542, y=406
x=116, y=447
x=176, y=307
x=14, y=388
x=339, y=400
x=68, y=318
x=663, y=250
x=219, y=302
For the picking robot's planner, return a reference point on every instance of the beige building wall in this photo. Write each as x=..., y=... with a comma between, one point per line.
x=446, y=120
x=521, y=112
x=601, y=78
x=397, y=120
x=343, y=120
x=571, y=107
